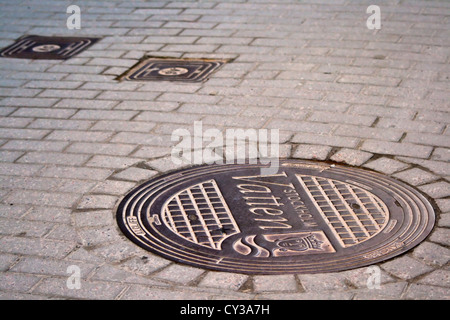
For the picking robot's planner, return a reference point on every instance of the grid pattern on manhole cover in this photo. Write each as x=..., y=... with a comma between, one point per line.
x=200, y=215
x=162, y=69
x=48, y=48
x=309, y=217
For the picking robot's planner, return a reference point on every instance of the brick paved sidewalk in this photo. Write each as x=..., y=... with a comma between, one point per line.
x=73, y=140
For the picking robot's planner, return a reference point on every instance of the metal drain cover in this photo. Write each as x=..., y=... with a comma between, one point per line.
x=49, y=48
x=188, y=70
x=310, y=217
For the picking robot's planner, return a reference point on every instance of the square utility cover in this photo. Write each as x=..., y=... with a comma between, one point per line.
x=188, y=70
x=49, y=48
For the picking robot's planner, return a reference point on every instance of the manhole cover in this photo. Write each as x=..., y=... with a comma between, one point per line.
x=309, y=217
x=49, y=48
x=189, y=70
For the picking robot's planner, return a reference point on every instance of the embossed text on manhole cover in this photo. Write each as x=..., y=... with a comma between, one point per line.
x=49, y=48
x=309, y=217
x=189, y=70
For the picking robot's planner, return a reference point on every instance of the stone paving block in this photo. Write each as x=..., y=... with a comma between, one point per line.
x=17, y=282
x=133, y=126
x=306, y=151
x=15, y=227
x=436, y=190
x=76, y=173
x=179, y=274
x=52, y=267
x=444, y=220
x=96, y=236
x=436, y=278
x=351, y=157
x=395, y=148
x=443, y=204
x=112, y=162
x=416, y=176
x=149, y=152
x=50, y=214
x=426, y=292
x=406, y=268
x=44, y=113
x=84, y=103
x=53, y=158
x=101, y=148
x=97, y=202
x=223, y=280
x=39, y=198
x=432, y=253
x=32, y=246
x=420, y=126
x=441, y=154
x=109, y=273
x=88, y=289
x=274, y=283
x=440, y=236
x=93, y=218
x=318, y=283
x=6, y=261
x=321, y=116
x=390, y=291
x=438, y=167
x=113, y=187
x=60, y=124
x=10, y=156
x=135, y=174
x=327, y=140
x=428, y=139
x=104, y=115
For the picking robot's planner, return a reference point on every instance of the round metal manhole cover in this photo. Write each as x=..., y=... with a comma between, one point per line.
x=309, y=217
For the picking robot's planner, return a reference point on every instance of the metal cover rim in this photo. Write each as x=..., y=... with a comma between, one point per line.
x=138, y=214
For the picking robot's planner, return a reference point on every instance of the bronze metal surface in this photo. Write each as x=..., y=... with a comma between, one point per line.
x=48, y=48
x=309, y=217
x=165, y=69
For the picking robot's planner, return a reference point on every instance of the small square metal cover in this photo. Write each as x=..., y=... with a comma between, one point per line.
x=48, y=48
x=168, y=69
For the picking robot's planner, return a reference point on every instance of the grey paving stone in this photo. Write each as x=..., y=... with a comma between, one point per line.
x=436, y=190
x=440, y=236
x=32, y=246
x=327, y=140
x=406, y=268
x=135, y=174
x=274, y=283
x=351, y=157
x=17, y=282
x=395, y=148
x=437, y=278
x=88, y=289
x=306, y=151
x=96, y=201
x=416, y=176
x=179, y=274
x=432, y=253
x=426, y=292
x=223, y=280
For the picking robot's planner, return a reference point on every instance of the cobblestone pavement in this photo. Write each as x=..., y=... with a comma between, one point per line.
x=73, y=140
